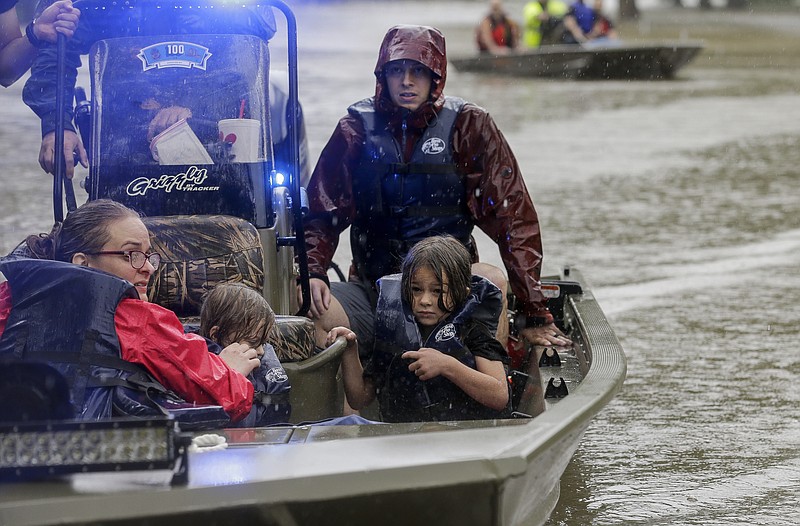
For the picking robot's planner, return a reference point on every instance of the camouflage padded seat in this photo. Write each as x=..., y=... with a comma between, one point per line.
x=198, y=253
x=293, y=338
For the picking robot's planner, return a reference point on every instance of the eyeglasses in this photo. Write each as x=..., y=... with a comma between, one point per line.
x=137, y=258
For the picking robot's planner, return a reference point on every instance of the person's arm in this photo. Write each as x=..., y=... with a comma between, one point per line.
x=360, y=391
x=486, y=385
x=571, y=25
x=502, y=207
x=331, y=207
x=500, y=203
x=166, y=117
x=40, y=95
x=17, y=51
x=330, y=199
x=487, y=39
x=5, y=305
x=152, y=336
x=514, y=34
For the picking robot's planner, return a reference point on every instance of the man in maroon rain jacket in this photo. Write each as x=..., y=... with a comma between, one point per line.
x=410, y=163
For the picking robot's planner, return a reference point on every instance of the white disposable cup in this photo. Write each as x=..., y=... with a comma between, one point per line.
x=244, y=135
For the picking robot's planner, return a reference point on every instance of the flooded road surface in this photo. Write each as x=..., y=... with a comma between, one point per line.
x=679, y=202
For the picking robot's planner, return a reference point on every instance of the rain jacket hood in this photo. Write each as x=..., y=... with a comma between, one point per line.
x=424, y=44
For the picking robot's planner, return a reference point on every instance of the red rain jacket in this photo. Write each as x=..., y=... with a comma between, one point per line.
x=153, y=337
x=496, y=194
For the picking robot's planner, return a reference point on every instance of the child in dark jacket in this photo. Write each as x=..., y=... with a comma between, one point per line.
x=236, y=313
x=435, y=355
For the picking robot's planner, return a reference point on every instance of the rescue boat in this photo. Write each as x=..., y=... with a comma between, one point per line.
x=217, y=216
x=610, y=60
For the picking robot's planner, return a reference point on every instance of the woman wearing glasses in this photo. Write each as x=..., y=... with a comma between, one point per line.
x=107, y=236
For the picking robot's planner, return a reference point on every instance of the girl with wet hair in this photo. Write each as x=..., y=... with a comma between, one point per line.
x=449, y=261
x=435, y=356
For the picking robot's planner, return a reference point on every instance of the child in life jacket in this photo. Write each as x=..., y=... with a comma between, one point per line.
x=236, y=313
x=435, y=356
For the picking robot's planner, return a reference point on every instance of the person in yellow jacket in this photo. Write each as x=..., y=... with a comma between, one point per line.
x=543, y=22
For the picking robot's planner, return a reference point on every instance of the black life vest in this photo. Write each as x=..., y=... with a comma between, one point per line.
x=63, y=315
x=272, y=389
x=401, y=395
x=398, y=203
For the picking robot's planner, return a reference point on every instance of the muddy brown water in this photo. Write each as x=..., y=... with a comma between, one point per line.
x=678, y=200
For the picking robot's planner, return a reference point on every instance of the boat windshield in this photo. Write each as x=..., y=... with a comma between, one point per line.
x=180, y=124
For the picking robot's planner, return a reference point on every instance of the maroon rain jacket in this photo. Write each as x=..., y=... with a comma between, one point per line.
x=496, y=194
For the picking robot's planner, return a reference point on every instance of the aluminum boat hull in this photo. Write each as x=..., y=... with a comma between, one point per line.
x=502, y=472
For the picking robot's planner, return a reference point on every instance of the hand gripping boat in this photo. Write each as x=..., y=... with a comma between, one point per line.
x=231, y=219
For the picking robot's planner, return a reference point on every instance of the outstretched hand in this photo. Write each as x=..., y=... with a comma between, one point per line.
x=72, y=144
x=546, y=335
x=348, y=335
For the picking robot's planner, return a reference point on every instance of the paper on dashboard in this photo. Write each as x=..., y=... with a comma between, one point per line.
x=178, y=144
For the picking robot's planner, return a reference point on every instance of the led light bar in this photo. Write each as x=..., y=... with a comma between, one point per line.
x=42, y=449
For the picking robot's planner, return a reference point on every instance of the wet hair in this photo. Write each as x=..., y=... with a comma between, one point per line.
x=85, y=229
x=239, y=312
x=445, y=256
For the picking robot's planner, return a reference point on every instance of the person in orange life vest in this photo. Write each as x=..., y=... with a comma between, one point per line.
x=497, y=33
x=108, y=236
x=17, y=51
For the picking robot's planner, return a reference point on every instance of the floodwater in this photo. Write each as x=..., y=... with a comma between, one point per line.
x=679, y=202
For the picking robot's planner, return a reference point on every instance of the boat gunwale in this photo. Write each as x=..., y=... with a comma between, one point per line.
x=247, y=476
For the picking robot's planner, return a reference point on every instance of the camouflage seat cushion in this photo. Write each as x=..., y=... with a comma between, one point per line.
x=198, y=253
x=293, y=338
